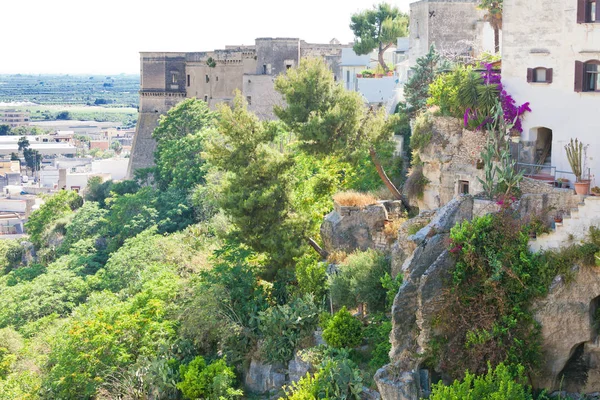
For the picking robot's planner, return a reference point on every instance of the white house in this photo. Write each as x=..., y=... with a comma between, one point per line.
x=551, y=58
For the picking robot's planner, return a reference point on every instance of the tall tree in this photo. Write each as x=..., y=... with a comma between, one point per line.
x=416, y=90
x=379, y=29
x=328, y=119
x=180, y=139
x=493, y=15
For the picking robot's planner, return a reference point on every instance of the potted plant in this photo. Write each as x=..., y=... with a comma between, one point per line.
x=562, y=183
x=359, y=75
x=558, y=218
x=575, y=150
x=367, y=73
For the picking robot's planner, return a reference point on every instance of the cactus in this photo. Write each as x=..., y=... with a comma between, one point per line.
x=575, y=156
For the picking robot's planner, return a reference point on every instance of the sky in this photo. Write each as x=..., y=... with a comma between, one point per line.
x=106, y=36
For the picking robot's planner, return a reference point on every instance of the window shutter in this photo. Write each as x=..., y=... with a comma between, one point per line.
x=581, y=8
x=529, y=74
x=597, y=12
x=549, y=75
x=578, y=76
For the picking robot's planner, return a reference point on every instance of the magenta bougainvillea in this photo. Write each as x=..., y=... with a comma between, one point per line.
x=513, y=114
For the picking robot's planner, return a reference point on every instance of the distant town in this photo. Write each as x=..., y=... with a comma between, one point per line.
x=57, y=132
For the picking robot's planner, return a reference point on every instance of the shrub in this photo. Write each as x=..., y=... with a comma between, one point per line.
x=354, y=199
x=283, y=327
x=311, y=275
x=343, y=330
x=422, y=132
x=358, y=281
x=415, y=184
x=337, y=377
x=214, y=382
x=498, y=383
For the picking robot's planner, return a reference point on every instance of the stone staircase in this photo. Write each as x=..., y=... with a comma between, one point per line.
x=573, y=229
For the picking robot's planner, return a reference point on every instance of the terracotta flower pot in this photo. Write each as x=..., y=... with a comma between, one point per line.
x=582, y=188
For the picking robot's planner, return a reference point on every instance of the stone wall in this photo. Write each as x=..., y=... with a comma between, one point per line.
x=456, y=27
x=351, y=228
x=449, y=159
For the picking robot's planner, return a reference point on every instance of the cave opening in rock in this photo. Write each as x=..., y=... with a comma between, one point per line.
x=574, y=375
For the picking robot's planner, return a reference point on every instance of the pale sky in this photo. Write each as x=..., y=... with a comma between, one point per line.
x=106, y=36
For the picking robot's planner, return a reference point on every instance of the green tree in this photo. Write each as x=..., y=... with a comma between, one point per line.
x=424, y=72
x=329, y=120
x=4, y=130
x=23, y=143
x=343, y=330
x=379, y=29
x=493, y=9
x=116, y=146
x=180, y=142
x=54, y=207
x=33, y=159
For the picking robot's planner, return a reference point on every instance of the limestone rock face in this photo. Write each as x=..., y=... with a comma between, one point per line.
x=419, y=300
x=570, y=337
x=352, y=228
x=298, y=368
x=264, y=378
x=404, y=247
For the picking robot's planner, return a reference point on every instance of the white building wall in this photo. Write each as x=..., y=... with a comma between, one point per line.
x=377, y=90
x=546, y=34
x=116, y=167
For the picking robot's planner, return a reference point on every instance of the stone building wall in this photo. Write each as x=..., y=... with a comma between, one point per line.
x=557, y=108
x=162, y=87
x=455, y=27
x=449, y=160
x=168, y=78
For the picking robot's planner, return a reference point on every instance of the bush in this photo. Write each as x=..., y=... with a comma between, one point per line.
x=415, y=184
x=422, y=132
x=359, y=281
x=337, y=377
x=498, y=383
x=283, y=327
x=343, y=330
x=311, y=275
x=354, y=199
x=214, y=382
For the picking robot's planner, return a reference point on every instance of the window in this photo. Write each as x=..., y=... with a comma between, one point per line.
x=249, y=100
x=587, y=76
x=592, y=77
x=463, y=187
x=206, y=98
x=288, y=66
x=264, y=69
x=588, y=11
x=207, y=78
x=539, y=75
x=348, y=76
x=188, y=80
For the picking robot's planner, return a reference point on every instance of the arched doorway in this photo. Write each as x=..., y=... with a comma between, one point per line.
x=543, y=146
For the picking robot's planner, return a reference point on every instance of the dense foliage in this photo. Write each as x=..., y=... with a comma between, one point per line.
x=487, y=315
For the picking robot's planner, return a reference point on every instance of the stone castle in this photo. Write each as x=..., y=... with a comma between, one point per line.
x=214, y=76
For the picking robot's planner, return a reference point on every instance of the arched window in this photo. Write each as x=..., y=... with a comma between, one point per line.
x=539, y=75
x=587, y=76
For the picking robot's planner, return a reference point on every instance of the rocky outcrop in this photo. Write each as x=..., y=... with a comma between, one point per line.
x=419, y=300
x=264, y=378
x=404, y=247
x=570, y=339
x=351, y=228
